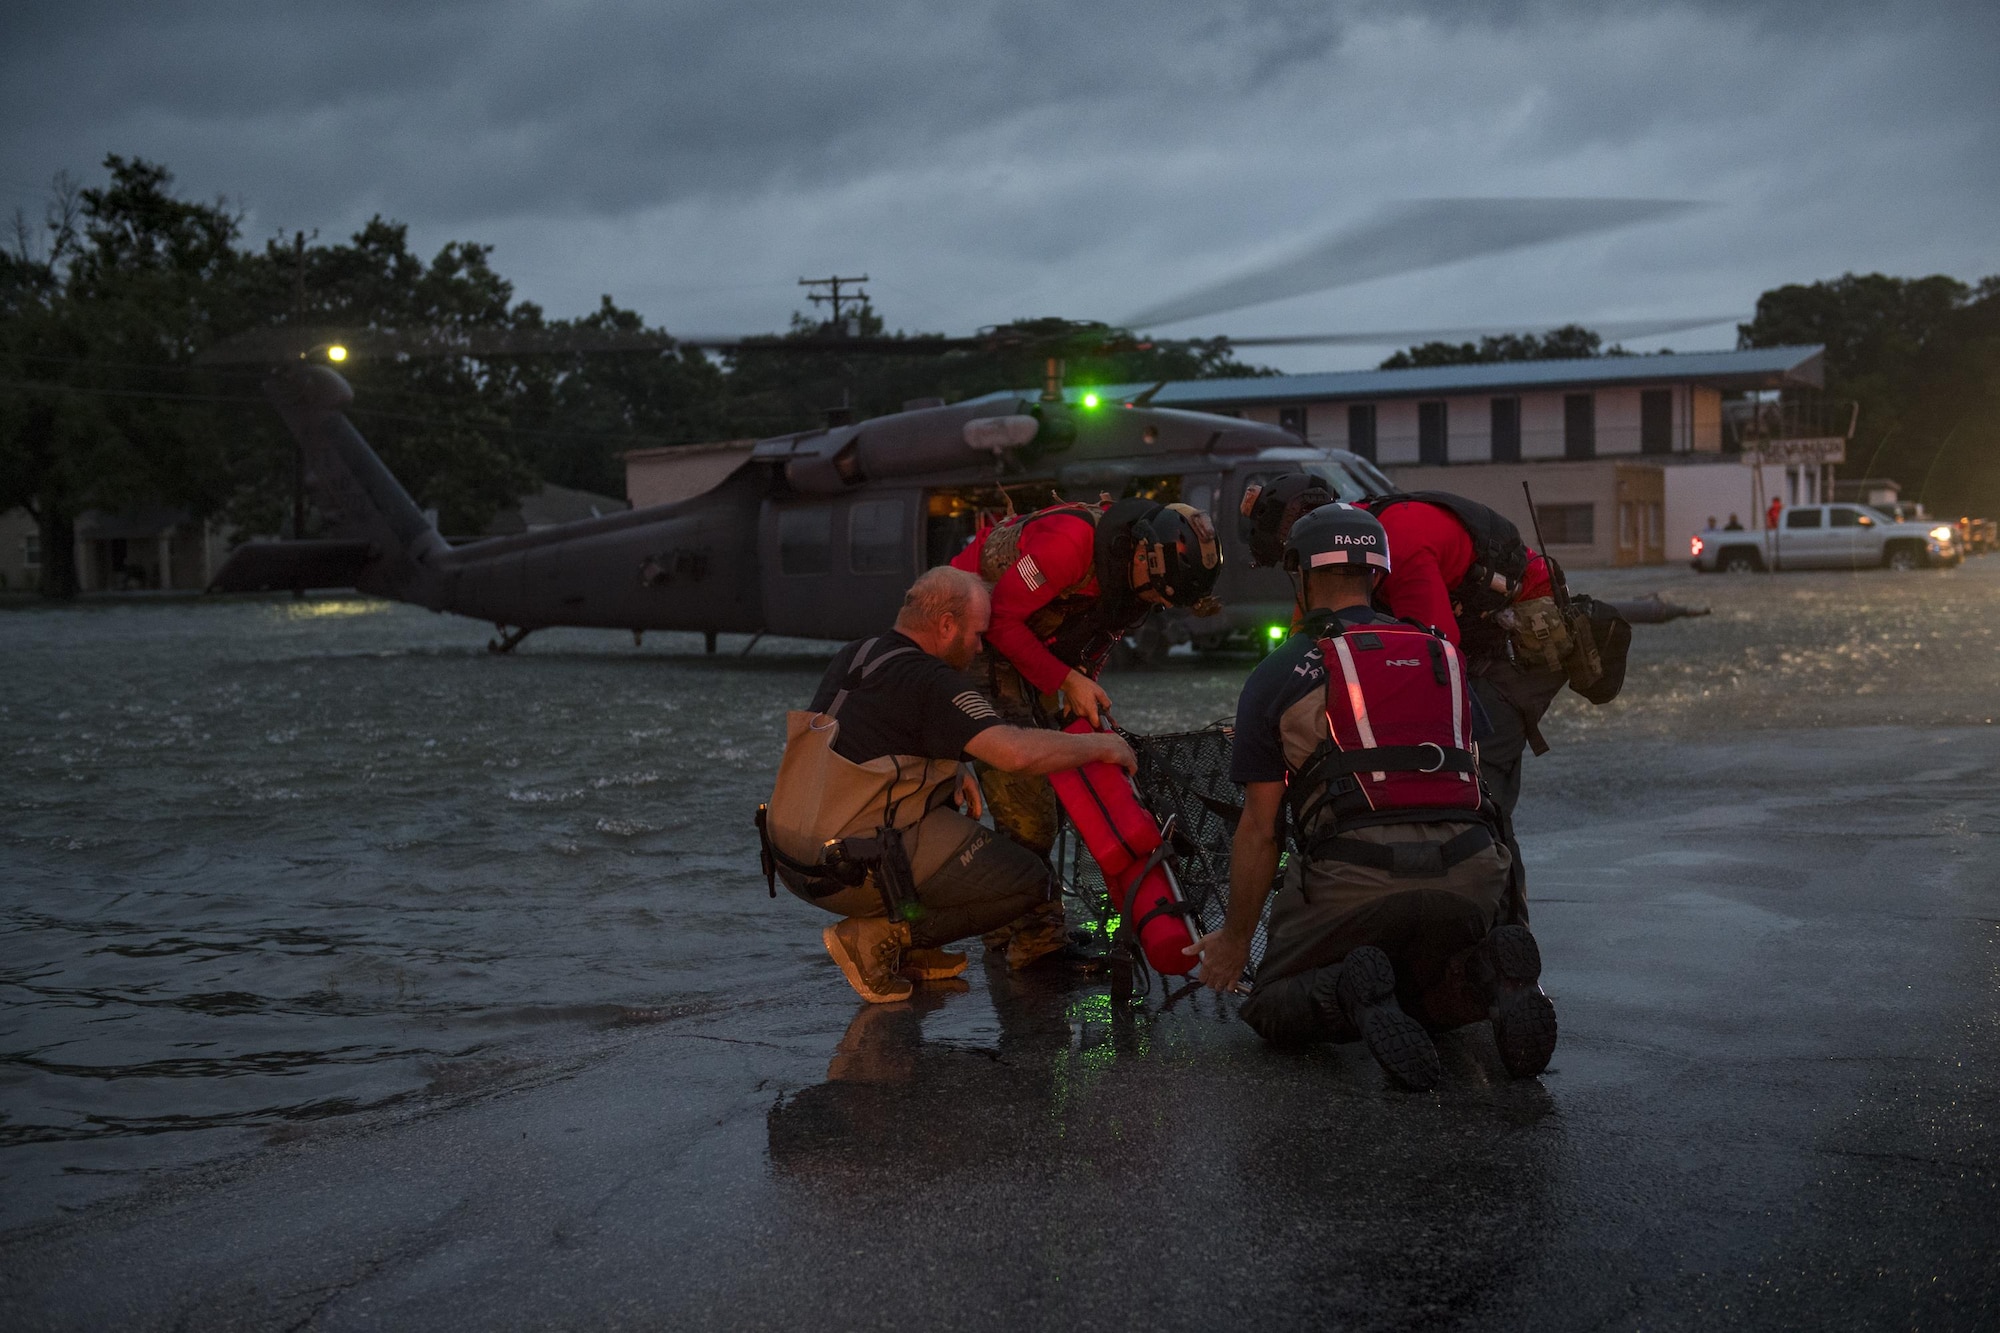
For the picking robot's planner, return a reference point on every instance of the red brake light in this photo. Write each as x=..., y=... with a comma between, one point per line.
x=1694, y=546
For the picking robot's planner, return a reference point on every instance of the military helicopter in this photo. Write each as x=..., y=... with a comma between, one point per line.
x=818, y=533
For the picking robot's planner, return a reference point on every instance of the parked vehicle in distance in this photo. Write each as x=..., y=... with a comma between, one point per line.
x=1829, y=536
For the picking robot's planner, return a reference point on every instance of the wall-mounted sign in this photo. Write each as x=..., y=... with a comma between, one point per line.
x=1829, y=449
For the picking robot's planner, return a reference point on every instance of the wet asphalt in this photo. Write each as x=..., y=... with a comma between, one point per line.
x=1776, y=961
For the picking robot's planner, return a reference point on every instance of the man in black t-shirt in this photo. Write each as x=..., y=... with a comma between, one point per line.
x=908, y=700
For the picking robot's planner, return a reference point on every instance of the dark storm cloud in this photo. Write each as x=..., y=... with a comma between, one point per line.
x=986, y=160
x=476, y=108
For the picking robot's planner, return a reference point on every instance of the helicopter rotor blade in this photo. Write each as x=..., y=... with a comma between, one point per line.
x=1612, y=329
x=273, y=346
x=1408, y=238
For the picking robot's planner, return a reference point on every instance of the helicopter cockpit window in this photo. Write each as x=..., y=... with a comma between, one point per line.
x=1200, y=493
x=1342, y=481
x=805, y=540
x=876, y=543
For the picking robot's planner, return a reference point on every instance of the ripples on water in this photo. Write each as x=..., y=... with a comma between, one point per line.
x=266, y=862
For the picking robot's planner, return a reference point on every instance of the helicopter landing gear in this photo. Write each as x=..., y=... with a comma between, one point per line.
x=508, y=639
x=708, y=641
x=638, y=638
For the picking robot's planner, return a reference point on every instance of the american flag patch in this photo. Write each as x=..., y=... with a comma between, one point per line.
x=973, y=704
x=1030, y=574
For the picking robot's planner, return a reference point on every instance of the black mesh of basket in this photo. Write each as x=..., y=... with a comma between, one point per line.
x=1183, y=776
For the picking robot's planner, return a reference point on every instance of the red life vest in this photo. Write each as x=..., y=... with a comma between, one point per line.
x=1400, y=715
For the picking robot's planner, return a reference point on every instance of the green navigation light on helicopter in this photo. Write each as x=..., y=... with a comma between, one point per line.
x=1090, y=400
x=1275, y=633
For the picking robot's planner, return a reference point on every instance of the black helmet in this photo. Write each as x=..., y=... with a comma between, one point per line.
x=1269, y=509
x=1183, y=558
x=1338, y=536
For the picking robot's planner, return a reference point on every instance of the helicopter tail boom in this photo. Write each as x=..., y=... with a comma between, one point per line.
x=377, y=540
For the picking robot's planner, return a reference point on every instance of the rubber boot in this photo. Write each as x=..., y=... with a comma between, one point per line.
x=869, y=949
x=1366, y=991
x=1524, y=1019
x=921, y=965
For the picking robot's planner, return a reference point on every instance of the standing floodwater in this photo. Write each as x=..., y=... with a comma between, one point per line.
x=270, y=861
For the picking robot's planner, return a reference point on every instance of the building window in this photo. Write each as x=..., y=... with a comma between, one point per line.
x=31, y=550
x=1432, y=446
x=1361, y=430
x=875, y=541
x=1293, y=419
x=1506, y=430
x=1579, y=425
x=805, y=540
x=1628, y=525
x=1568, y=525
x=1656, y=421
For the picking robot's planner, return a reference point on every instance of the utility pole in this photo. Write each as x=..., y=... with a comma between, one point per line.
x=834, y=296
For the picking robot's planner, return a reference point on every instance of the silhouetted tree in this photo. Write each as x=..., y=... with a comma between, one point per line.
x=1922, y=357
x=1569, y=343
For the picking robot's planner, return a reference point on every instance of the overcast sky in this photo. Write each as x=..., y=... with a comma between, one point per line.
x=985, y=161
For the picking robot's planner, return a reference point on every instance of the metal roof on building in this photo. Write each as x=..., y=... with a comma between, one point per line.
x=1753, y=368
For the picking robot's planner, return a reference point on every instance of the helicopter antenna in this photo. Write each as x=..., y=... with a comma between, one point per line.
x=833, y=296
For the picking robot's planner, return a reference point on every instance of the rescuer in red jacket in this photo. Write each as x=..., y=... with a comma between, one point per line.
x=1069, y=582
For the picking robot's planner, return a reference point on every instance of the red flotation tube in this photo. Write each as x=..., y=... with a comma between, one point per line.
x=1124, y=838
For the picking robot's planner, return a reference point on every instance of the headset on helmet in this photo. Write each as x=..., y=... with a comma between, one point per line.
x=1183, y=557
x=1338, y=536
x=1269, y=508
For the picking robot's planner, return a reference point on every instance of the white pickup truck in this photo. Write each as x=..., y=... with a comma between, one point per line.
x=1835, y=536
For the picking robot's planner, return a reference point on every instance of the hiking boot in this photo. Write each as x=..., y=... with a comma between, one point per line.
x=1041, y=931
x=931, y=964
x=1366, y=991
x=869, y=949
x=1524, y=1019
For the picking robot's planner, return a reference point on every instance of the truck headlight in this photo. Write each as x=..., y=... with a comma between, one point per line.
x=1942, y=534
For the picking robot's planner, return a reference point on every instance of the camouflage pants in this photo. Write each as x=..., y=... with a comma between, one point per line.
x=1025, y=809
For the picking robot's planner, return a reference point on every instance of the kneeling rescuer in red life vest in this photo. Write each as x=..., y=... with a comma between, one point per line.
x=1389, y=925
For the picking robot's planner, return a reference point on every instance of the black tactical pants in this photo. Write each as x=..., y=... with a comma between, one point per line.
x=986, y=882
x=1426, y=925
x=1515, y=700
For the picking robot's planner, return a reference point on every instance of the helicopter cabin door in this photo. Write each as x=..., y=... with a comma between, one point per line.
x=837, y=568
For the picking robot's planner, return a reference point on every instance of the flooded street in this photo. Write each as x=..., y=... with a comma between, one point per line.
x=266, y=864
